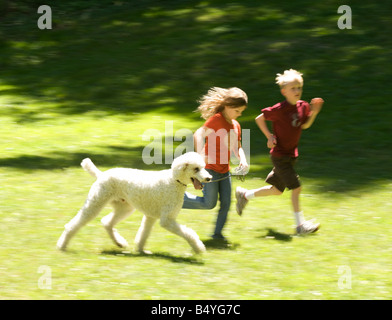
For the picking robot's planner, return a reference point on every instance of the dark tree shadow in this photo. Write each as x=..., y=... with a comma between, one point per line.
x=124, y=58
x=115, y=156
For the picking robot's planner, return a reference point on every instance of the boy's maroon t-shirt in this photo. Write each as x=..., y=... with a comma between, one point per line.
x=287, y=120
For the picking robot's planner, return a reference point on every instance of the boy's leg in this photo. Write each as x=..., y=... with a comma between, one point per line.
x=295, y=199
x=264, y=192
x=275, y=188
x=298, y=215
x=293, y=183
x=291, y=179
x=303, y=226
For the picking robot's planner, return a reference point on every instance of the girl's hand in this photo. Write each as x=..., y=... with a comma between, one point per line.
x=271, y=142
x=243, y=168
x=316, y=104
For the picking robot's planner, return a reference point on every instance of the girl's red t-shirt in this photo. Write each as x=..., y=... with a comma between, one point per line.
x=219, y=143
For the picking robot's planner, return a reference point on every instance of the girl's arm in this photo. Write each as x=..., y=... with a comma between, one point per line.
x=315, y=106
x=260, y=121
x=243, y=163
x=240, y=154
x=199, y=139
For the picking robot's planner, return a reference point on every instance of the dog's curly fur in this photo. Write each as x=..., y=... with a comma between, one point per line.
x=158, y=194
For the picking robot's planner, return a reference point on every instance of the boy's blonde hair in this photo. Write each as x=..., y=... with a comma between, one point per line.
x=289, y=76
x=217, y=99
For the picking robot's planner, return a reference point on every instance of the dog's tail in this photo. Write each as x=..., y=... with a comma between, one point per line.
x=90, y=167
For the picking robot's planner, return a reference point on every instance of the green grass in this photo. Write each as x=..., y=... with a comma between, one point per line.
x=106, y=73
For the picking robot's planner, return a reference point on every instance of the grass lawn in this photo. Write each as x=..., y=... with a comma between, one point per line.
x=108, y=72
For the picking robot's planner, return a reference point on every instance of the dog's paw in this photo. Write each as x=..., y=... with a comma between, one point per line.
x=61, y=248
x=200, y=248
x=119, y=240
x=62, y=243
x=122, y=243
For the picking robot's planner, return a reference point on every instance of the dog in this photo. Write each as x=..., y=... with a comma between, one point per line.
x=157, y=194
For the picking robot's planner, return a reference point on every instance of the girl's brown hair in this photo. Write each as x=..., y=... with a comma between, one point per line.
x=217, y=99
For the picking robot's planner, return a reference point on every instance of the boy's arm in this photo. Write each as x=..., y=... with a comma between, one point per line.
x=260, y=121
x=315, y=107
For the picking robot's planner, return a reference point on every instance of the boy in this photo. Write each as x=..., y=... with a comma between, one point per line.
x=288, y=119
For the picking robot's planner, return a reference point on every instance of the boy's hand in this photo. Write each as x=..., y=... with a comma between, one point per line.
x=316, y=104
x=271, y=142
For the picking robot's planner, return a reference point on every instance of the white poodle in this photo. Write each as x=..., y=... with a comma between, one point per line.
x=158, y=194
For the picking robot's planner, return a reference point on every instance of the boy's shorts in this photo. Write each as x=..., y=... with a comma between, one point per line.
x=283, y=174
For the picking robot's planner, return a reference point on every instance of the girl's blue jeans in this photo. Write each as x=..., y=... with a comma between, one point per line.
x=211, y=192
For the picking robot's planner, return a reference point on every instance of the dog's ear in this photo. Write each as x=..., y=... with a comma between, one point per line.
x=179, y=166
x=182, y=166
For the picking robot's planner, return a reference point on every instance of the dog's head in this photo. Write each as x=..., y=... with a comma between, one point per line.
x=190, y=168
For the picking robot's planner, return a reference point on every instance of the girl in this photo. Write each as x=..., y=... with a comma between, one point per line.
x=215, y=140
